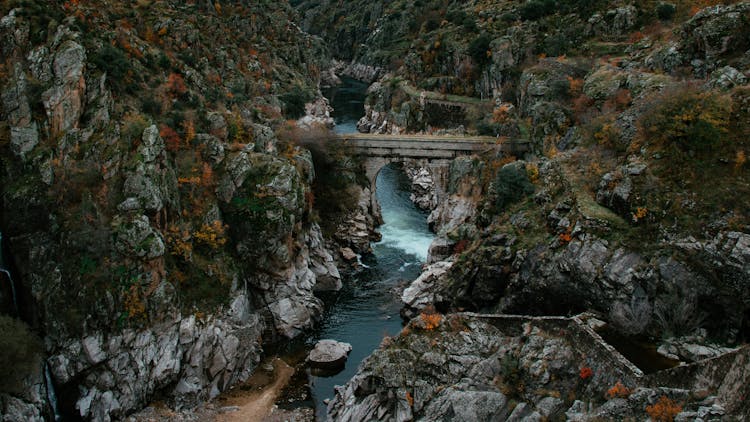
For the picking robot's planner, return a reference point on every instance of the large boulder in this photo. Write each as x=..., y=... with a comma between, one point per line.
x=329, y=354
x=717, y=31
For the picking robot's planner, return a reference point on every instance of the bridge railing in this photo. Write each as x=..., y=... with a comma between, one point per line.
x=426, y=146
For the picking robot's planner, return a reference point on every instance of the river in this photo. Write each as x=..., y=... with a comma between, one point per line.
x=367, y=308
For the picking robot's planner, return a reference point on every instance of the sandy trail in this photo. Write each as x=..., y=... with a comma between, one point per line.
x=257, y=405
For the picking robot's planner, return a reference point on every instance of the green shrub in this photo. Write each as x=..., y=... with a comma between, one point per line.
x=478, y=49
x=431, y=25
x=470, y=24
x=665, y=11
x=536, y=9
x=133, y=125
x=19, y=354
x=151, y=106
x=687, y=120
x=456, y=16
x=294, y=103
x=488, y=129
x=511, y=185
x=41, y=16
x=555, y=45
x=113, y=61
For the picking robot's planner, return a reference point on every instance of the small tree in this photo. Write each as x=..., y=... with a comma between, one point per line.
x=511, y=185
x=664, y=410
x=479, y=49
x=665, y=11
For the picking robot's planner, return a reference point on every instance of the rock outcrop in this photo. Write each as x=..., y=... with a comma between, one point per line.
x=421, y=292
x=357, y=230
x=329, y=354
x=423, y=189
x=503, y=368
x=317, y=115
x=187, y=359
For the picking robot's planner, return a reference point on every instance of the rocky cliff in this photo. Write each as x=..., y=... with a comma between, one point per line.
x=159, y=231
x=632, y=202
x=477, y=368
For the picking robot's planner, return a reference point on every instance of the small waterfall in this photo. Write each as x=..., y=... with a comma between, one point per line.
x=5, y=271
x=51, y=395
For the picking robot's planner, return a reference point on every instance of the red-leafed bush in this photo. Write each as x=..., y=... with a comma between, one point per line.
x=585, y=373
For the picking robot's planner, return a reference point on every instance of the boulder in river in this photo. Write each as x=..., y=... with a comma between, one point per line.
x=329, y=354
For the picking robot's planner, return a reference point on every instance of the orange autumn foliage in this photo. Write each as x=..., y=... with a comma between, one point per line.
x=212, y=235
x=618, y=391
x=410, y=399
x=176, y=84
x=207, y=176
x=664, y=410
x=189, y=127
x=171, y=138
x=431, y=321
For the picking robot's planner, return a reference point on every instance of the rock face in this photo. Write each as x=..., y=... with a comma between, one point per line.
x=463, y=196
x=329, y=354
x=453, y=217
x=362, y=72
x=423, y=189
x=613, y=24
x=377, y=118
x=358, y=229
x=421, y=292
x=317, y=115
x=472, y=368
x=155, y=253
x=24, y=132
x=64, y=102
x=576, y=268
x=187, y=359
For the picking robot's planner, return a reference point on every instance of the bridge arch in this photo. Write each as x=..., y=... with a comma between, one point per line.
x=437, y=152
x=438, y=169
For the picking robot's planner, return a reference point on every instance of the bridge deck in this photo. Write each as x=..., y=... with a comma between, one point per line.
x=429, y=146
x=422, y=138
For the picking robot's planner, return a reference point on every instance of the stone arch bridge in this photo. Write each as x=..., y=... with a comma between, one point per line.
x=435, y=152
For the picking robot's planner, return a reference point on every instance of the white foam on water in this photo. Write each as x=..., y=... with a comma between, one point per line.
x=405, y=227
x=411, y=242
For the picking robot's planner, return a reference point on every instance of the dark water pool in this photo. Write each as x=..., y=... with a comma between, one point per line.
x=348, y=102
x=640, y=352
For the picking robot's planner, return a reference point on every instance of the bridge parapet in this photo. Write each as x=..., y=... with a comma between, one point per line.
x=429, y=147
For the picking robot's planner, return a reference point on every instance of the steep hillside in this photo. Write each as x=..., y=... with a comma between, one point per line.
x=632, y=204
x=152, y=219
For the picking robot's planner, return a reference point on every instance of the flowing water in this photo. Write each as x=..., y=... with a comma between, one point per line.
x=367, y=308
x=51, y=395
x=5, y=274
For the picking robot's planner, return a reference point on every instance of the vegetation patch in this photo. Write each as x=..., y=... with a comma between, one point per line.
x=19, y=354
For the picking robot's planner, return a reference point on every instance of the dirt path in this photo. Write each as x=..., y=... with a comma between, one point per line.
x=258, y=404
